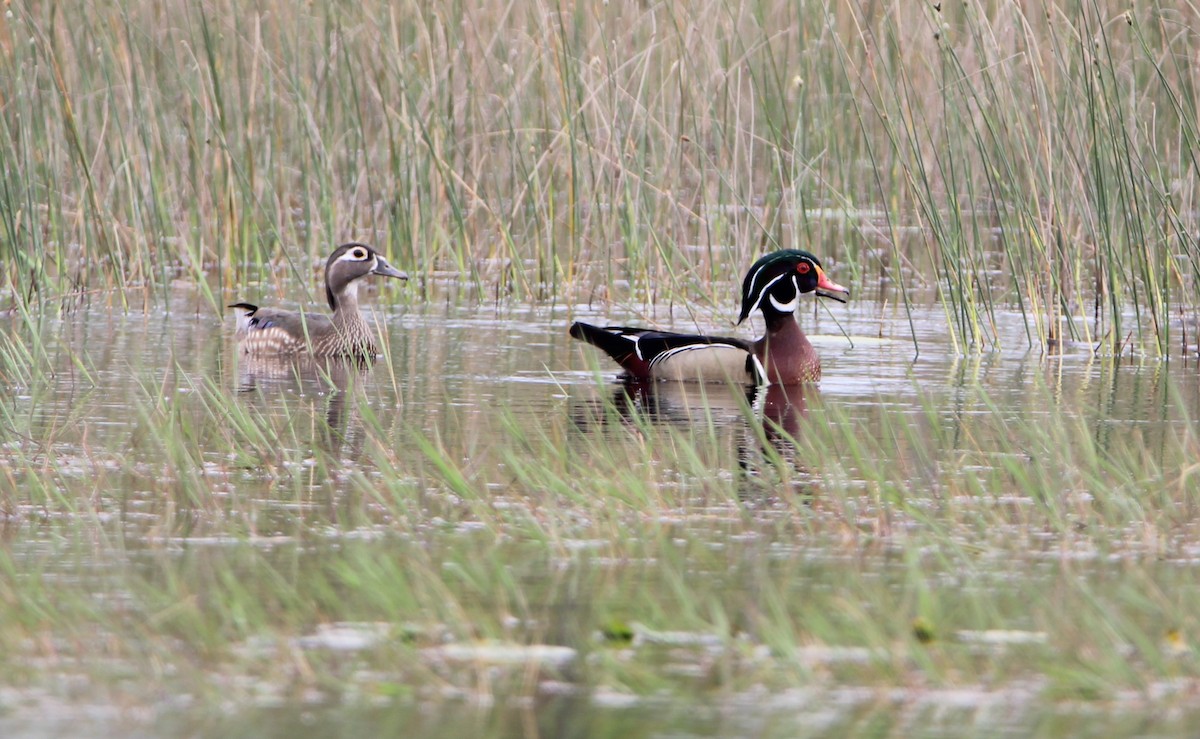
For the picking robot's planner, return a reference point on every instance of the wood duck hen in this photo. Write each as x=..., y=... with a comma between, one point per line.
x=345, y=333
x=783, y=356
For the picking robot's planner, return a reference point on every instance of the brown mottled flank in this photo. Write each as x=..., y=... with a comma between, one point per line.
x=346, y=335
x=271, y=331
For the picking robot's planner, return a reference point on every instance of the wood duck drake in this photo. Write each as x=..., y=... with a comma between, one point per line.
x=783, y=356
x=271, y=331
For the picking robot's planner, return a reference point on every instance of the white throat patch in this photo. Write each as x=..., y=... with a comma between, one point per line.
x=791, y=305
x=788, y=307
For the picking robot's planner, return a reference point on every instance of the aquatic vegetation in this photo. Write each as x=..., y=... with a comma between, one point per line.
x=985, y=516
x=1018, y=532
x=985, y=156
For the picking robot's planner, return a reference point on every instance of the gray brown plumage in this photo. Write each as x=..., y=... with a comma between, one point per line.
x=345, y=333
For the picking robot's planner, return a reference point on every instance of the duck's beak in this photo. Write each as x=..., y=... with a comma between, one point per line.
x=386, y=270
x=827, y=288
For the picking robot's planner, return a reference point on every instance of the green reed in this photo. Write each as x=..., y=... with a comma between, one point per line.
x=1040, y=154
x=989, y=158
x=537, y=142
x=256, y=529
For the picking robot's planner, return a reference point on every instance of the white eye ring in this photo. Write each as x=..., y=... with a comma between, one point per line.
x=359, y=254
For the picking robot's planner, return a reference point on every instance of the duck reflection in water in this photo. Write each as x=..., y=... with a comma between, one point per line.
x=766, y=419
x=338, y=380
x=783, y=410
x=676, y=403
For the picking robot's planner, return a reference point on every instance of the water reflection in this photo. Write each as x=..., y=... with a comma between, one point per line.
x=339, y=380
x=764, y=421
x=784, y=408
x=769, y=456
x=138, y=423
x=674, y=403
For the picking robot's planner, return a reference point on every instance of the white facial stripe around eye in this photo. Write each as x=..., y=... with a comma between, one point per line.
x=766, y=289
x=754, y=277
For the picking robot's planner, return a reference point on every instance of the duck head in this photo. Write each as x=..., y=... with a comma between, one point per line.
x=775, y=283
x=350, y=263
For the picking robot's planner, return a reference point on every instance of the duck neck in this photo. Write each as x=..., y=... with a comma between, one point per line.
x=783, y=324
x=352, y=332
x=345, y=306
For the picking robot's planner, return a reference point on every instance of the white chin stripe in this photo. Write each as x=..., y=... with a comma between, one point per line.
x=791, y=305
x=788, y=307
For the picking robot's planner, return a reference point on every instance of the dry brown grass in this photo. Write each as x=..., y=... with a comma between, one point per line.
x=981, y=153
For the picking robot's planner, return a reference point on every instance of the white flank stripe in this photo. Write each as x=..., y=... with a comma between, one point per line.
x=760, y=371
x=664, y=356
x=637, y=347
x=713, y=362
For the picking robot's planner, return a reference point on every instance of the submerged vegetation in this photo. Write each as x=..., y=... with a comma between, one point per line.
x=478, y=518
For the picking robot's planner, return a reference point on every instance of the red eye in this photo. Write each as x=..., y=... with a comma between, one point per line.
x=803, y=268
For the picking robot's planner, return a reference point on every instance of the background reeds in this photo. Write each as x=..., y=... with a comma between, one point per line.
x=177, y=537
x=987, y=154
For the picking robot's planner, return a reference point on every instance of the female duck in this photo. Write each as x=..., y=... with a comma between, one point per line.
x=271, y=331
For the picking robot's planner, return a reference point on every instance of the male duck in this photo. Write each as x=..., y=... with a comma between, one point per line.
x=783, y=356
x=265, y=331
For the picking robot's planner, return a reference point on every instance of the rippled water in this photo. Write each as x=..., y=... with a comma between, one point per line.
x=461, y=376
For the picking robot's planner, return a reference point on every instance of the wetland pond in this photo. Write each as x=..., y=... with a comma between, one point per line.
x=486, y=535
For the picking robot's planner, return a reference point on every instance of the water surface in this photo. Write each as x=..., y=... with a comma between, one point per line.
x=140, y=488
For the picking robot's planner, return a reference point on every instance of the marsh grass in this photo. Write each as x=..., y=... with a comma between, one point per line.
x=1033, y=538
x=225, y=536
x=1045, y=154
